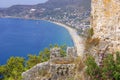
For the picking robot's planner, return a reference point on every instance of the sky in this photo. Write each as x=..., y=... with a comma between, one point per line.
x=8, y=3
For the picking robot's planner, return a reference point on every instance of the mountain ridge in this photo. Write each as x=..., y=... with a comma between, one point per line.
x=69, y=12
x=50, y=4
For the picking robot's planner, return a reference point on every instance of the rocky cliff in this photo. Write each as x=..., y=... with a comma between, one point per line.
x=105, y=19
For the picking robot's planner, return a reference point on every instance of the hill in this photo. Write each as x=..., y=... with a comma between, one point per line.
x=69, y=12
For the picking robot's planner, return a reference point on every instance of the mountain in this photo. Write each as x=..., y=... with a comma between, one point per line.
x=63, y=11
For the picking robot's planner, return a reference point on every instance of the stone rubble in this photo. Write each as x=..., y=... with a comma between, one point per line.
x=50, y=69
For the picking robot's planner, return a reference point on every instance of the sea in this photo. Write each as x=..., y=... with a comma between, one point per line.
x=20, y=37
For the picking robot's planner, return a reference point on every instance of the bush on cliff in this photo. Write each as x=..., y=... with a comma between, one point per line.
x=110, y=69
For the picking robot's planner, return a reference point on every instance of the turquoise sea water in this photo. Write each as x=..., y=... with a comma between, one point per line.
x=20, y=37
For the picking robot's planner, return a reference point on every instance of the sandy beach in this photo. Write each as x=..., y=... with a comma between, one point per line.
x=78, y=41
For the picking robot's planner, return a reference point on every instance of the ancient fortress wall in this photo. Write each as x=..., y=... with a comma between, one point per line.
x=105, y=19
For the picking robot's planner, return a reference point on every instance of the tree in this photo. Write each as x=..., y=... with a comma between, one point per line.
x=2, y=70
x=13, y=69
x=63, y=50
x=32, y=61
x=44, y=55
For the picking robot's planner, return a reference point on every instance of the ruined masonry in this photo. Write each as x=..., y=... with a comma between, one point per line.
x=57, y=68
x=105, y=20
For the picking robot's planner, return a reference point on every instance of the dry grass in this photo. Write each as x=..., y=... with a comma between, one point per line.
x=79, y=69
x=79, y=64
x=91, y=42
x=63, y=61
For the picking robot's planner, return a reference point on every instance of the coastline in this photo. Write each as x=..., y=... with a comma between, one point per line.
x=77, y=40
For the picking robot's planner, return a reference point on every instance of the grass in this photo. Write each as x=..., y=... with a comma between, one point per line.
x=63, y=61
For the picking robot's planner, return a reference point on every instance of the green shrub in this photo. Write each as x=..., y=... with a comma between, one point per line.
x=92, y=68
x=110, y=69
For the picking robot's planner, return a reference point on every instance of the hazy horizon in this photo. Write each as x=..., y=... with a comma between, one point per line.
x=8, y=3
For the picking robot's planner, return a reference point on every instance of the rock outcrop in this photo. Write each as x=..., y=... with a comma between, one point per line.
x=105, y=20
x=57, y=68
x=38, y=72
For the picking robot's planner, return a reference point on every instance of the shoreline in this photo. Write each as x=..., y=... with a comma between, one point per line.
x=77, y=40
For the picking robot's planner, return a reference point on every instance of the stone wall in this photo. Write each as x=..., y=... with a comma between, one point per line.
x=57, y=68
x=55, y=53
x=36, y=72
x=71, y=52
x=62, y=71
x=105, y=19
